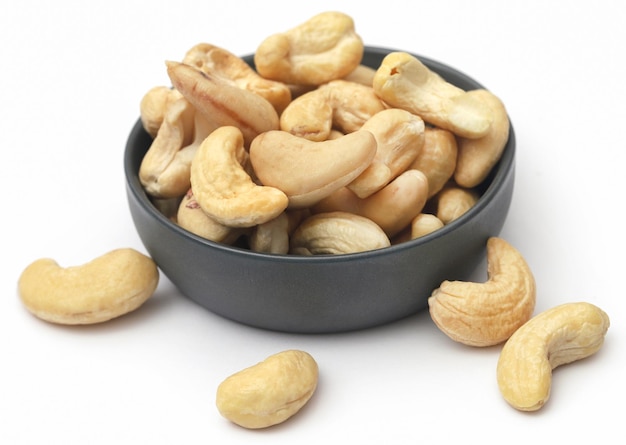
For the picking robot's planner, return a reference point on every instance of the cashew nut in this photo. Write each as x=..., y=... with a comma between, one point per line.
x=324, y=48
x=271, y=236
x=153, y=106
x=362, y=74
x=109, y=286
x=308, y=171
x=339, y=104
x=399, y=138
x=486, y=314
x=403, y=81
x=337, y=233
x=423, y=224
x=192, y=218
x=212, y=59
x=453, y=202
x=392, y=208
x=269, y=392
x=220, y=101
x=557, y=336
x=437, y=158
x=476, y=157
x=222, y=187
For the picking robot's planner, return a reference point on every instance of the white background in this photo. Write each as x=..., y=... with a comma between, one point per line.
x=72, y=76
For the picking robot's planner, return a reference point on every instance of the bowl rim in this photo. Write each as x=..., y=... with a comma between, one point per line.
x=497, y=177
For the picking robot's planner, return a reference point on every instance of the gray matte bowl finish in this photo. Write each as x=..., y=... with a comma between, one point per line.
x=321, y=294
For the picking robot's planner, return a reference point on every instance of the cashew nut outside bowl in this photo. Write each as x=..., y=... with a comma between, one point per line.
x=326, y=293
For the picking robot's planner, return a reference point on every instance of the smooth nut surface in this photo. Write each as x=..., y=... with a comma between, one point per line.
x=109, y=286
x=486, y=314
x=555, y=337
x=269, y=392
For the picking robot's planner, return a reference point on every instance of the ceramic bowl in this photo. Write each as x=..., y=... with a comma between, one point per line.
x=321, y=294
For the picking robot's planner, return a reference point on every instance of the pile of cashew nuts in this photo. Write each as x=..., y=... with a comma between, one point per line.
x=312, y=152
x=295, y=155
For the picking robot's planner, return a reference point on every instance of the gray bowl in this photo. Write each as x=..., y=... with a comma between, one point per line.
x=321, y=294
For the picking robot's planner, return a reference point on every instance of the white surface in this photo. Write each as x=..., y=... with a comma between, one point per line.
x=73, y=73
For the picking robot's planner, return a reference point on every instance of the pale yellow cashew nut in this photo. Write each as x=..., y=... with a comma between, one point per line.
x=107, y=287
x=324, y=48
x=308, y=171
x=555, y=337
x=403, y=81
x=437, y=158
x=486, y=314
x=223, y=188
x=153, y=106
x=453, y=201
x=269, y=392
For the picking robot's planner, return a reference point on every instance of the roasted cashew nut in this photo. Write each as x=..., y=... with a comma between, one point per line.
x=403, y=81
x=338, y=104
x=107, y=287
x=223, y=188
x=214, y=60
x=555, y=337
x=308, y=171
x=486, y=314
x=269, y=392
x=336, y=233
x=222, y=102
x=324, y=48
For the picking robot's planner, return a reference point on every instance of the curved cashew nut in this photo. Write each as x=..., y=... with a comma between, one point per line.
x=153, y=106
x=486, y=314
x=399, y=137
x=337, y=233
x=222, y=187
x=338, y=104
x=423, y=224
x=192, y=218
x=212, y=59
x=437, y=158
x=392, y=208
x=269, y=392
x=175, y=132
x=476, y=157
x=555, y=337
x=403, y=81
x=223, y=103
x=107, y=287
x=324, y=48
x=308, y=171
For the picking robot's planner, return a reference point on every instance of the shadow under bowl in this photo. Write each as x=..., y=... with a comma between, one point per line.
x=321, y=294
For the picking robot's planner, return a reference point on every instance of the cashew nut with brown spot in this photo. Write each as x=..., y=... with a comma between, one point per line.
x=192, y=218
x=437, y=158
x=308, y=171
x=403, y=81
x=219, y=101
x=213, y=59
x=555, y=337
x=399, y=138
x=477, y=157
x=222, y=187
x=107, y=287
x=336, y=233
x=486, y=314
x=339, y=104
x=324, y=48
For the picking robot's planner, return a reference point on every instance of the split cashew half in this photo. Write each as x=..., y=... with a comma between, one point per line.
x=222, y=187
x=555, y=337
x=107, y=287
x=324, y=48
x=308, y=171
x=403, y=81
x=486, y=314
